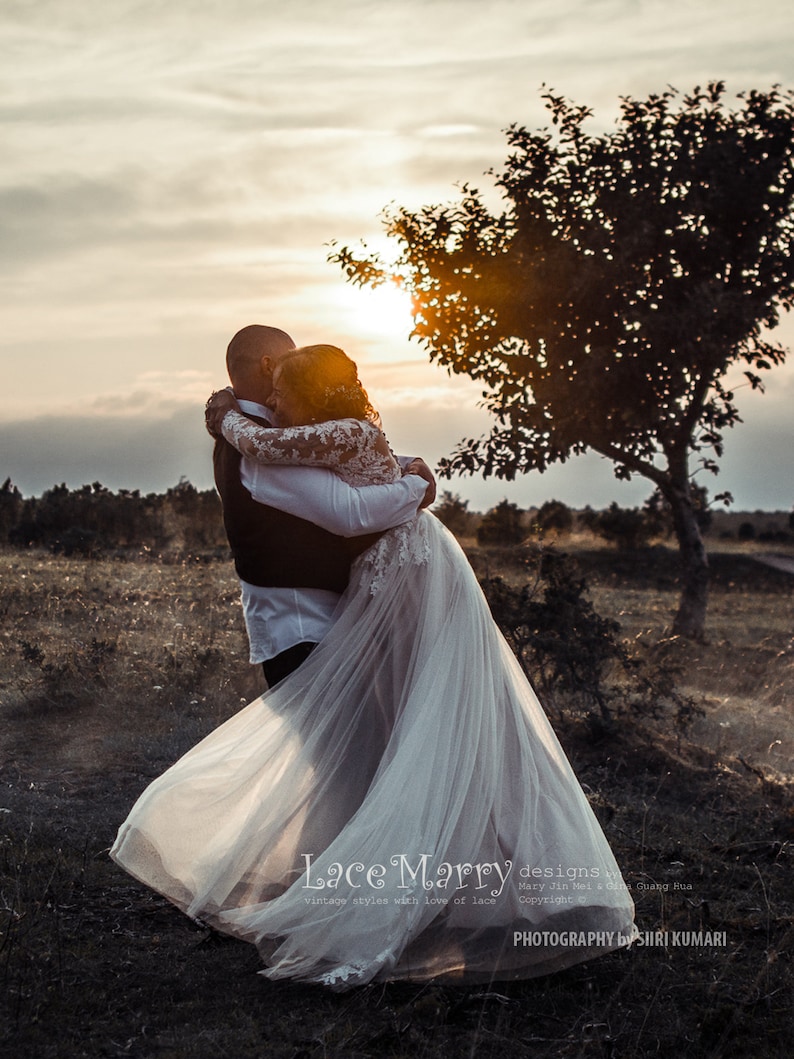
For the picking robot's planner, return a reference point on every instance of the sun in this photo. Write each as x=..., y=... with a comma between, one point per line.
x=379, y=313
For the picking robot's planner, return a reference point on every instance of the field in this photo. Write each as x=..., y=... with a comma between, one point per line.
x=112, y=668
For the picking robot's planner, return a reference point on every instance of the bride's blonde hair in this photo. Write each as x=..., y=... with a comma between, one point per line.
x=327, y=380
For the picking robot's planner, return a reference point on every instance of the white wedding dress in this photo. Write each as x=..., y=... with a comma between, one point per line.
x=399, y=807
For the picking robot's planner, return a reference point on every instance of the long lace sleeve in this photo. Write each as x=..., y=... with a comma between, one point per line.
x=351, y=447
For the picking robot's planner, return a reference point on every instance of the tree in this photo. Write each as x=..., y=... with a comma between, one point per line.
x=603, y=307
x=659, y=516
x=11, y=504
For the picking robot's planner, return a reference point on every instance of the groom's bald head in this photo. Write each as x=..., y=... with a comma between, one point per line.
x=251, y=357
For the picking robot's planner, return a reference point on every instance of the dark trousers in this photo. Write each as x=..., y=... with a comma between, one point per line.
x=275, y=669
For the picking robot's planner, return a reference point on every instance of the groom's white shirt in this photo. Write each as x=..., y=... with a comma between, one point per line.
x=278, y=618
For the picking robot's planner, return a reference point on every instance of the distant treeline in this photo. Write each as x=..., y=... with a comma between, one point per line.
x=94, y=520
x=626, y=528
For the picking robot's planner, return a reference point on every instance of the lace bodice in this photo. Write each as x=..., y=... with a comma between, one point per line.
x=354, y=449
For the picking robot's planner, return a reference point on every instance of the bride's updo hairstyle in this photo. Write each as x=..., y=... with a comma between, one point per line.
x=327, y=380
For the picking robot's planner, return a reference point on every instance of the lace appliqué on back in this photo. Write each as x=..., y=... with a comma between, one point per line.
x=402, y=546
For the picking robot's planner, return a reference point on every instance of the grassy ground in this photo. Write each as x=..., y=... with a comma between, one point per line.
x=111, y=669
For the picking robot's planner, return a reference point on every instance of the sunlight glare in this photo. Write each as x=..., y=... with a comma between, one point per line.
x=380, y=313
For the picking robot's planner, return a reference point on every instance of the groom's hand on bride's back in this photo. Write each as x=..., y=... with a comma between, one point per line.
x=420, y=468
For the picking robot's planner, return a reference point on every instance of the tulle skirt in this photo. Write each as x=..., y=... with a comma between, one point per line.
x=397, y=808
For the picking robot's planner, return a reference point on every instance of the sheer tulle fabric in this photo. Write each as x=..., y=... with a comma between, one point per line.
x=398, y=808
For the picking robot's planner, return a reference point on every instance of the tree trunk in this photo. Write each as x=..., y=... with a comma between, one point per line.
x=690, y=621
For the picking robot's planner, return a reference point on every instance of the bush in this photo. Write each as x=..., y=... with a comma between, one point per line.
x=587, y=519
x=77, y=540
x=454, y=513
x=502, y=525
x=628, y=528
x=64, y=681
x=574, y=656
x=775, y=536
x=554, y=517
x=563, y=645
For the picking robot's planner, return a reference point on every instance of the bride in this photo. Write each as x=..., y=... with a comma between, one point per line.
x=399, y=807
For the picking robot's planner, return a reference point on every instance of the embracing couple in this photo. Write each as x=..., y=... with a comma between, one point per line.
x=293, y=534
x=376, y=814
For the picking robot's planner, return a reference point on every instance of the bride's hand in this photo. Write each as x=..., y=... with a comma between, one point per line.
x=219, y=403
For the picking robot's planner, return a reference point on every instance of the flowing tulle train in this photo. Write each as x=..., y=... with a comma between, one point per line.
x=398, y=807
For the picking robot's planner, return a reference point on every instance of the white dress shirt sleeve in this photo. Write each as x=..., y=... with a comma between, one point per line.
x=321, y=497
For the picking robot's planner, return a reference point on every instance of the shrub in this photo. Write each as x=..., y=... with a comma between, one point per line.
x=555, y=517
x=574, y=656
x=587, y=519
x=502, y=525
x=628, y=528
x=563, y=645
x=454, y=513
x=775, y=536
x=66, y=679
x=78, y=541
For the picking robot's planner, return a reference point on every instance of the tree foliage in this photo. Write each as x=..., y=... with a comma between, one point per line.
x=602, y=308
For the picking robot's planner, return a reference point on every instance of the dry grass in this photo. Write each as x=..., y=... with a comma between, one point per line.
x=112, y=658
x=743, y=674
x=112, y=669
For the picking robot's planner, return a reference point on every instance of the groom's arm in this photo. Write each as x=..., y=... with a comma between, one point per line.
x=320, y=496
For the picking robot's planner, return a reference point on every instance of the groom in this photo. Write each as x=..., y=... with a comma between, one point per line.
x=294, y=531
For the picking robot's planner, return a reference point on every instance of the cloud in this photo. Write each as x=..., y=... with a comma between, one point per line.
x=62, y=216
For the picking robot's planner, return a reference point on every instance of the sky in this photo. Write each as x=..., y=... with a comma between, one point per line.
x=173, y=172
